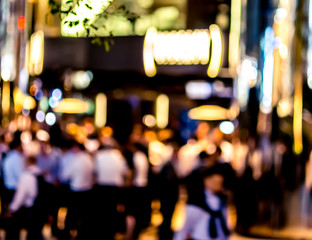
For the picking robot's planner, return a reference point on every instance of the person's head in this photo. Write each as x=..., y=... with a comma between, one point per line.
x=216, y=136
x=218, y=152
x=252, y=142
x=16, y=143
x=202, y=130
x=213, y=179
x=211, y=156
x=31, y=160
x=204, y=156
x=108, y=142
x=77, y=146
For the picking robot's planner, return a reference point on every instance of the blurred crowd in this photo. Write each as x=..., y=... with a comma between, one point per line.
x=105, y=187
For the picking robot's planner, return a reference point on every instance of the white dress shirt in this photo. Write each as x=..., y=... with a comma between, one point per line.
x=79, y=173
x=110, y=167
x=140, y=162
x=13, y=166
x=27, y=189
x=197, y=221
x=48, y=165
x=65, y=161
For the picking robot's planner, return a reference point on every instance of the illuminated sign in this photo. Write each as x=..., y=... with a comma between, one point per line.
x=36, y=53
x=72, y=105
x=213, y=112
x=183, y=47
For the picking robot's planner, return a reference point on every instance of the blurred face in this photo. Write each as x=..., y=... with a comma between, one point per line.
x=217, y=136
x=202, y=130
x=252, y=143
x=214, y=183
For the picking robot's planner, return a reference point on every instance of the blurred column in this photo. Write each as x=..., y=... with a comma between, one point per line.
x=4, y=15
x=42, y=18
x=4, y=10
x=264, y=91
x=258, y=37
x=12, y=54
x=298, y=69
x=253, y=28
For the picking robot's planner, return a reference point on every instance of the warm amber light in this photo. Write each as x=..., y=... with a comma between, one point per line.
x=284, y=107
x=297, y=120
x=148, y=49
x=43, y=135
x=209, y=112
x=35, y=63
x=235, y=31
x=182, y=47
x=6, y=98
x=216, y=55
x=162, y=111
x=21, y=23
x=61, y=216
x=100, y=110
x=72, y=128
x=72, y=105
x=107, y=131
x=18, y=98
x=29, y=103
x=149, y=120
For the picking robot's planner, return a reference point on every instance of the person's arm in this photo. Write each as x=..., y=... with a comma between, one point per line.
x=20, y=194
x=127, y=172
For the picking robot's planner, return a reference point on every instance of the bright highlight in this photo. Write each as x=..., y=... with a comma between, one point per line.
x=72, y=25
x=235, y=31
x=211, y=113
x=183, y=47
x=72, y=105
x=216, y=55
x=227, y=127
x=149, y=120
x=162, y=111
x=35, y=63
x=100, y=115
x=148, y=52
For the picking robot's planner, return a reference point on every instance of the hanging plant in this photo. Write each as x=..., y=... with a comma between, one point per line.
x=88, y=18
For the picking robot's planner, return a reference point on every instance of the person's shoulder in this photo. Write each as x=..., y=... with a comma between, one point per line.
x=85, y=158
x=13, y=158
x=225, y=165
x=140, y=154
x=9, y=155
x=193, y=208
x=27, y=176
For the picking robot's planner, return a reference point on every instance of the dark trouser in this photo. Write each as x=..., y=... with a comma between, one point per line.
x=138, y=204
x=62, y=197
x=104, y=212
x=25, y=218
x=79, y=214
x=166, y=209
x=6, y=199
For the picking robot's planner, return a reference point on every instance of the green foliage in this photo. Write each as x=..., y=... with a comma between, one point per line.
x=92, y=28
x=107, y=42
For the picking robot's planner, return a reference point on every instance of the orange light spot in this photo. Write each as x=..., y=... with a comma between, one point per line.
x=21, y=23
